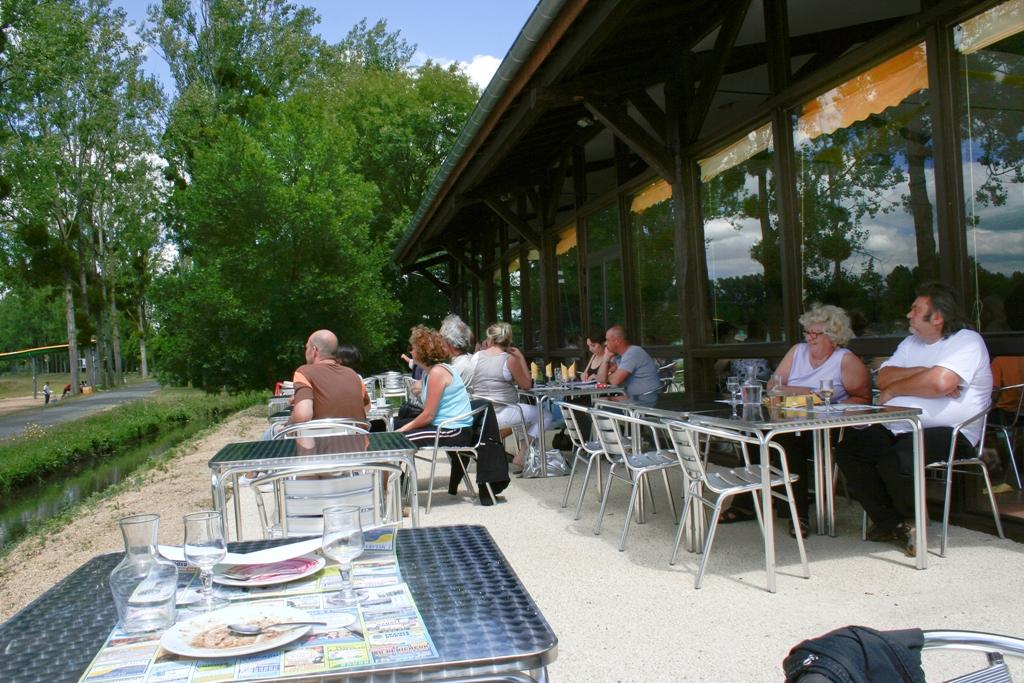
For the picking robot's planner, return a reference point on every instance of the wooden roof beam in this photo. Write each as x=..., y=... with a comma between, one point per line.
x=445, y=288
x=521, y=227
x=466, y=262
x=652, y=151
x=651, y=112
x=712, y=74
x=436, y=260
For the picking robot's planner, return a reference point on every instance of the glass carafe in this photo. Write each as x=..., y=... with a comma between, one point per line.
x=144, y=583
x=751, y=388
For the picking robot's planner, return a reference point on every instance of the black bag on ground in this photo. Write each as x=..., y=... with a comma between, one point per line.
x=561, y=441
x=857, y=654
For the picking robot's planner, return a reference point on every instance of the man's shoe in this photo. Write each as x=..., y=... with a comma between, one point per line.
x=878, y=535
x=905, y=537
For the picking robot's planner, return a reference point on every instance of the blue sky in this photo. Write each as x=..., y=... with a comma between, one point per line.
x=477, y=34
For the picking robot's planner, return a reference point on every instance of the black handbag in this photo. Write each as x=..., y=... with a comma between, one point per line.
x=561, y=441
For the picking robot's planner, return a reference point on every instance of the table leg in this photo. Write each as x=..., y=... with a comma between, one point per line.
x=830, y=494
x=413, y=490
x=766, y=511
x=542, y=429
x=819, y=482
x=920, y=502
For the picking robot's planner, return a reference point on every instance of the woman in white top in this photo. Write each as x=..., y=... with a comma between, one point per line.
x=499, y=371
x=821, y=356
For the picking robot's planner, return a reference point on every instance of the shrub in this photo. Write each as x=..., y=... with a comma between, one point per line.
x=41, y=453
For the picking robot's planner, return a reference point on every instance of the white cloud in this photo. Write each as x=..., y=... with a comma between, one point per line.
x=480, y=69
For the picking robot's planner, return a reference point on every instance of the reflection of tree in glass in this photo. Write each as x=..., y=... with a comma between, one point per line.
x=993, y=128
x=656, y=271
x=993, y=168
x=756, y=298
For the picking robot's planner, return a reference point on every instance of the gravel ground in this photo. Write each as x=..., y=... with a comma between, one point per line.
x=629, y=616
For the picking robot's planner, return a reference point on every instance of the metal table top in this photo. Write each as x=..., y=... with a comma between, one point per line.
x=761, y=419
x=573, y=389
x=258, y=454
x=478, y=613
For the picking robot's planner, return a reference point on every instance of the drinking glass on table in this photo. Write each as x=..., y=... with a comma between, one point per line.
x=204, y=548
x=343, y=542
x=825, y=390
x=732, y=385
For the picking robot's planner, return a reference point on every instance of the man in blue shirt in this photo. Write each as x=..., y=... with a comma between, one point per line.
x=630, y=367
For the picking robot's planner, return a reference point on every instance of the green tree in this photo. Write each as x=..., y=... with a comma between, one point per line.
x=78, y=109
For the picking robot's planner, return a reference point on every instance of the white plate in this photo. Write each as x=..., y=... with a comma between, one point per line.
x=288, y=570
x=177, y=639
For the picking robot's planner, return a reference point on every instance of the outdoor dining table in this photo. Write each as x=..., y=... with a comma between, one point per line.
x=766, y=424
x=544, y=394
x=377, y=411
x=309, y=453
x=481, y=618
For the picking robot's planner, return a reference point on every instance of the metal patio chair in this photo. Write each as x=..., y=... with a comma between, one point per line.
x=327, y=426
x=953, y=463
x=479, y=416
x=520, y=432
x=588, y=451
x=1010, y=431
x=724, y=483
x=614, y=432
x=994, y=646
x=272, y=484
x=302, y=494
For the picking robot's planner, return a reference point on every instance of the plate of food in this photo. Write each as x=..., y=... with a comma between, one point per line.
x=209, y=636
x=268, y=574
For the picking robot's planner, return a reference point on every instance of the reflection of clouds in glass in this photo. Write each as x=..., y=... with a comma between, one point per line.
x=998, y=240
x=728, y=249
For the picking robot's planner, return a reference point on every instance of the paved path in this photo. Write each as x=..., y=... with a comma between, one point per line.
x=65, y=411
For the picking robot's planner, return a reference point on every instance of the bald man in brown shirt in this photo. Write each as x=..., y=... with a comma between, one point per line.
x=324, y=387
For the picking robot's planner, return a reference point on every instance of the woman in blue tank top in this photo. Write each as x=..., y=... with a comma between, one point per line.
x=444, y=397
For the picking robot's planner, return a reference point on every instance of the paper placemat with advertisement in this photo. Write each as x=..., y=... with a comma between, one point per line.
x=386, y=628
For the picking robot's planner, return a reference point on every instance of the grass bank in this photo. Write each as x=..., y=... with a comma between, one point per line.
x=39, y=455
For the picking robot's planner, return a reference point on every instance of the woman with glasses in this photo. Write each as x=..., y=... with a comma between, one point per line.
x=822, y=355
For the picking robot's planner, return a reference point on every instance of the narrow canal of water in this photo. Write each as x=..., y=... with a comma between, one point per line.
x=37, y=503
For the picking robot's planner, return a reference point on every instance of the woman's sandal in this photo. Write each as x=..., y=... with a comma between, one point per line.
x=735, y=514
x=804, y=528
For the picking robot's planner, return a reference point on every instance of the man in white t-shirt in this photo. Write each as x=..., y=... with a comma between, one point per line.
x=941, y=368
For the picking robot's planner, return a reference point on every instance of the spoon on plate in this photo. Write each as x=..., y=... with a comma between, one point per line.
x=254, y=630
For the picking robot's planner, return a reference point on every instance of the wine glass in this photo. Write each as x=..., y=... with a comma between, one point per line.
x=732, y=385
x=825, y=390
x=343, y=542
x=205, y=547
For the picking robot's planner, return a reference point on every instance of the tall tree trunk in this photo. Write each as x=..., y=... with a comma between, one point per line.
x=144, y=369
x=115, y=342
x=69, y=316
x=770, y=258
x=921, y=207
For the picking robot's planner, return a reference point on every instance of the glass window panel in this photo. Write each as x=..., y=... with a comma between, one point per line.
x=567, y=261
x=741, y=243
x=865, y=179
x=516, y=300
x=614, y=293
x=992, y=146
x=652, y=220
x=499, y=297
x=603, y=230
x=533, y=273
